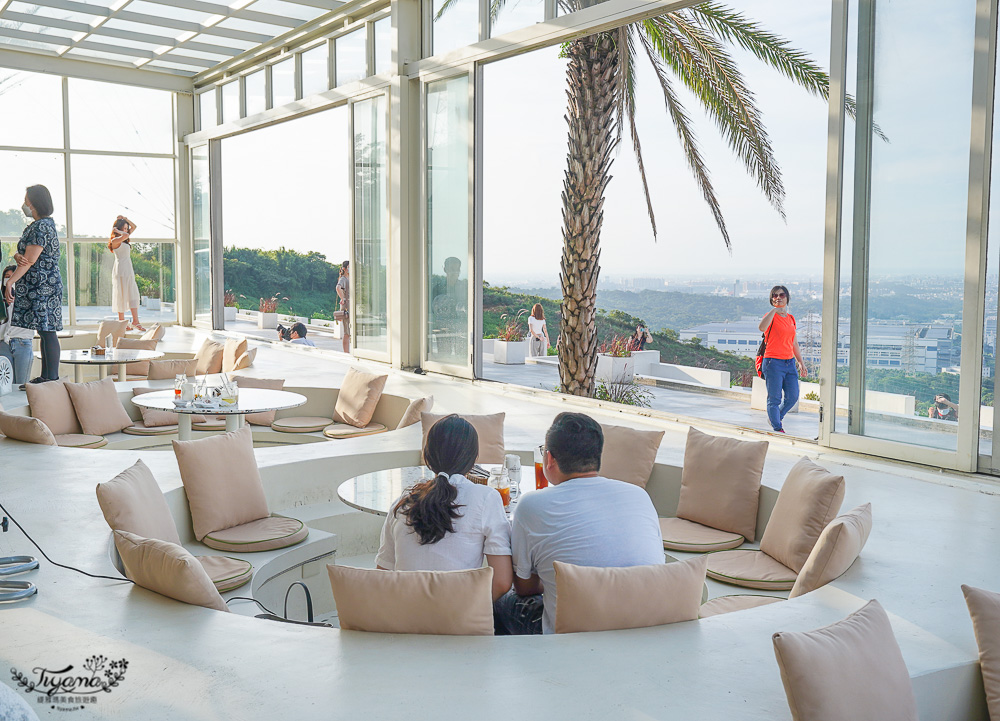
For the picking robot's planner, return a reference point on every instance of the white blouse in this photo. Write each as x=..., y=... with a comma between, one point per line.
x=482, y=529
x=537, y=325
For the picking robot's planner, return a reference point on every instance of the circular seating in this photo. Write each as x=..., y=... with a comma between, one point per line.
x=301, y=424
x=264, y=534
x=729, y=604
x=226, y=573
x=80, y=440
x=210, y=424
x=682, y=535
x=343, y=430
x=140, y=430
x=750, y=569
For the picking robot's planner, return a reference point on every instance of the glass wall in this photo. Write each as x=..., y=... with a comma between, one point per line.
x=201, y=222
x=371, y=226
x=316, y=70
x=208, y=109
x=255, y=89
x=283, y=82
x=352, y=61
x=455, y=24
x=383, y=45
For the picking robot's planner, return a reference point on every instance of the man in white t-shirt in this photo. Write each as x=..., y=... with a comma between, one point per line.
x=582, y=518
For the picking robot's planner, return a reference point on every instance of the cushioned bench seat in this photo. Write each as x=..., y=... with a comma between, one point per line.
x=750, y=569
x=301, y=424
x=682, y=535
x=264, y=534
x=226, y=573
x=80, y=440
x=343, y=430
x=210, y=424
x=139, y=429
x=729, y=604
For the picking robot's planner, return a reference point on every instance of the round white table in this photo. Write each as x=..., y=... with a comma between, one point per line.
x=114, y=356
x=251, y=400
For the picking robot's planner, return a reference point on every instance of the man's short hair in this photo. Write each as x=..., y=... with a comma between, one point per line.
x=576, y=441
x=299, y=328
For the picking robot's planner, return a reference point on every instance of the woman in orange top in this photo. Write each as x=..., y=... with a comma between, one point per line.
x=780, y=356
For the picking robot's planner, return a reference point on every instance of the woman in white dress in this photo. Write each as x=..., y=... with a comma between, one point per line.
x=538, y=334
x=124, y=291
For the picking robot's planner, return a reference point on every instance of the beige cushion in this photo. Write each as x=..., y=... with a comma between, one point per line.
x=606, y=599
x=169, y=369
x=265, y=418
x=809, y=499
x=154, y=418
x=167, y=569
x=97, y=407
x=984, y=607
x=221, y=481
x=209, y=424
x=264, y=534
x=629, y=454
x=226, y=573
x=26, y=428
x=452, y=603
x=750, y=569
x=50, y=403
x=730, y=604
x=231, y=351
x=342, y=430
x=681, y=535
x=244, y=361
x=139, y=368
x=209, y=357
x=358, y=396
x=140, y=430
x=80, y=440
x=847, y=671
x=115, y=327
x=489, y=428
x=133, y=502
x=304, y=424
x=839, y=545
x=412, y=413
x=154, y=332
x=720, y=482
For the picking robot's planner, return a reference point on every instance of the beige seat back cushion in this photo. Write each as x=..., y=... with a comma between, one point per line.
x=167, y=569
x=169, y=369
x=847, y=671
x=221, y=481
x=450, y=603
x=155, y=418
x=358, y=396
x=720, y=482
x=115, y=327
x=607, y=599
x=27, y=429
x=629, y=454
x=209, y=357
x=412, y=413
x=265, y=418
x=231, y=352
x=50, y=403
x=133, y=502
x=984, y=607
x=139, y=368
x=97, y=407
x=839, y=545
x=809, y=499
x=155, y=332
x=488, y=427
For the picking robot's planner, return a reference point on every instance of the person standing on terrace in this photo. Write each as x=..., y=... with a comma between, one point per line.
x=344, y=294
x=538, y=344
x=781, y=353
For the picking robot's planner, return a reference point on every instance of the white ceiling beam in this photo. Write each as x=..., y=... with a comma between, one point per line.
x=189, y=26
x=35, y=37
x=321, y=4
x=226, y=11
x=41, y=61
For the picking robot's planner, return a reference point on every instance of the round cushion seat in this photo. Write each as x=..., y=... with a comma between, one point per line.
x=210, y=424
x=264, y=534
x=226, y=573
x=750, y=569
x=683, y=535
x=80, y=440
x=140, y=430
x=300, y=424
x=343, y=430
x=729, y=604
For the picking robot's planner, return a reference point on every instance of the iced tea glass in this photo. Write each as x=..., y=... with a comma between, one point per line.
x=540, y=480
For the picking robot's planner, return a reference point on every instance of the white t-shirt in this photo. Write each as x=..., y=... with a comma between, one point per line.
x=587, y=522
x=302, y=341
x=536, y=325
x=482, y=529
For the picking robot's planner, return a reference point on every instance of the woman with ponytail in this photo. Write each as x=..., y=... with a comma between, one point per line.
x=448, y=523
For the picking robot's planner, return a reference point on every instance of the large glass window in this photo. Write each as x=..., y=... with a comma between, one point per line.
x=514, y=15
x=371, y=242
x=455, y=24
x=153, y=264
x=447, y=185
x=43, y=126
x=201, y=204
x=22, y=168
x=108, y=116
x=316, y=70
x=351, y=61
x=231, y=101
x=383, y=45
x=256, y=97
x=208, y=109
x=140, y=188
x=283, y=82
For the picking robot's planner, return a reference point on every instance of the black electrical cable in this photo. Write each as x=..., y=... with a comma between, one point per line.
x=247, y=598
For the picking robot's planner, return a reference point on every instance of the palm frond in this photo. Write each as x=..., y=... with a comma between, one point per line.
x=626, y=108
x=443, y=9
x=688, y=139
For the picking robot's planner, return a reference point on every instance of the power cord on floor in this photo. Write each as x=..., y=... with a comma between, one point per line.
x=253, y=600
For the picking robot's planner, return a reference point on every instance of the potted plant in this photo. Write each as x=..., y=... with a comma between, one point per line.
x=268, y=318
x=230, y=305
x=511, y=345
x=153, y=301
x=614, y=361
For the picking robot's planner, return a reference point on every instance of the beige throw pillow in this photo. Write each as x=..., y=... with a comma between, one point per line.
x=155, y=332
x=116, y=328
x=720, y=482
x=98, y=408
x=169, y=369
x=221, y=481
x=209, y=357
x=27, y=429
x=358, y=396
x=450, y=603
x=847, y=671
x=168, y=569
x=838, y=547
x=133, y=502
x=265, y=418
x=489, y=428
x=154, y=418
x=50, y=403
x=606, y=599
x=412, y=413
x=629, y=454
x=809, y=499
x=139, y=368
x=984, y=607
x=231, y=352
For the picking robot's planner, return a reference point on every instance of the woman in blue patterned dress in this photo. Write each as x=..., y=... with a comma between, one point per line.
x=38, y=298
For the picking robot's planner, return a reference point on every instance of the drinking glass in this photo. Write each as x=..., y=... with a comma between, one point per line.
x=540, y=480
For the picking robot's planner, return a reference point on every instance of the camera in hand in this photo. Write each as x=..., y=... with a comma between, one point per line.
x=284, y=333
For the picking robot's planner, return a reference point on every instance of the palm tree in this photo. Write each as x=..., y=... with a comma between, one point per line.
x=690, y=47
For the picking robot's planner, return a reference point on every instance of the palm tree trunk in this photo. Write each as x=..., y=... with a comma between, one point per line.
x=591, y=76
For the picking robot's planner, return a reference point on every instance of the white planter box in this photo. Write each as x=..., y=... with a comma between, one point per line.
x=611, y=369
x=153, y=303
x=229, y=313
x=510, y=352
x=488, y=345
x=267, y=321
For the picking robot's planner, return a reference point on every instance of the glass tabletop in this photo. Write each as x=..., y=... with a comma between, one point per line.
x=110, y=357
x=251, y=400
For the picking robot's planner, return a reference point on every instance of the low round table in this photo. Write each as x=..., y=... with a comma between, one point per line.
x=114, y=356
x=251, y=400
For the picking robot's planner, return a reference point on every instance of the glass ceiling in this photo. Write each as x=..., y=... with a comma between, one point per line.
x=176, y=36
